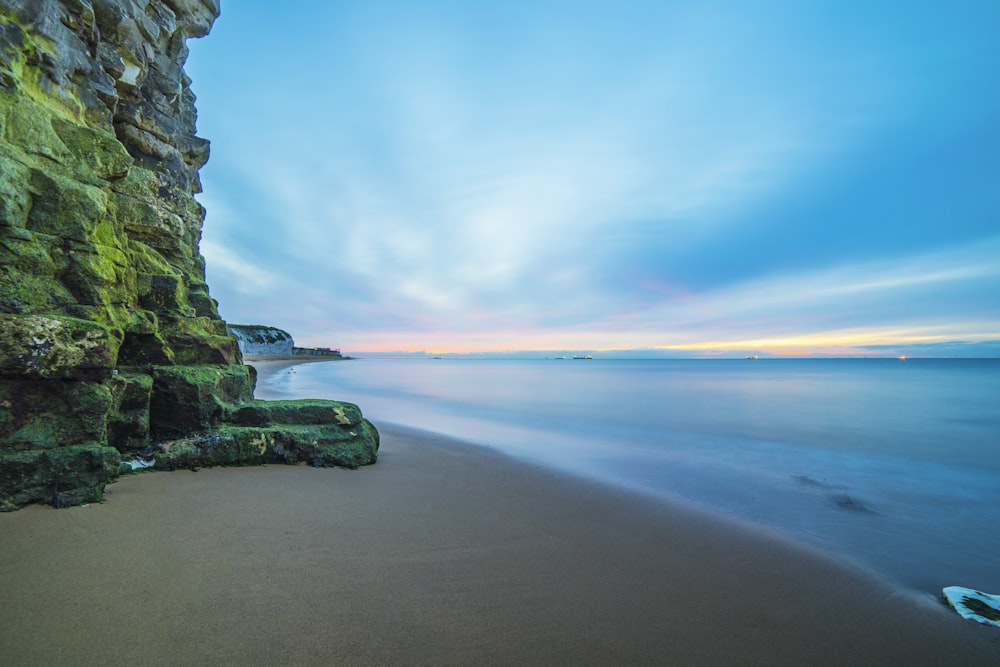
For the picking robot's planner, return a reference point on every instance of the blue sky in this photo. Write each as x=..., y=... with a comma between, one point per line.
x=689, y=178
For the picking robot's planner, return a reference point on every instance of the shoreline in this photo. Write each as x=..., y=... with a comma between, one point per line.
x=270, y=390
x=288, y=359
x=277, y=382
x=440, y=553
x=268, y=366
x=858, y=570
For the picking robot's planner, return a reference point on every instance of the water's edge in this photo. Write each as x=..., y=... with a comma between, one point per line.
x=907, y=518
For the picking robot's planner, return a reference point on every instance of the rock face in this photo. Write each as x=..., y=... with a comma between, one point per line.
x=110, y=346
x=259, y=339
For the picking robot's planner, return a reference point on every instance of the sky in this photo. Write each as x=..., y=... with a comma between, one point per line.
x=657, y=177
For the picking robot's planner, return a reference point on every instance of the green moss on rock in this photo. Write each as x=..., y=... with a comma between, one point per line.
x=201, y=340
x=56, y=347
x=309, y=411
x=30, y=276
x=193, y=399
x=27, y=126
x=14, y=202
x=46, y=414
x=98, y=152
x=143, y=350
x=65, y=208
x=320, y=445
x=128, y=419
x=222, y=447
x=109, y=340
x=62, y=477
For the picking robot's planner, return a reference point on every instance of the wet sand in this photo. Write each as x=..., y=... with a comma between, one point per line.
x=442, y=553
x=269, y=368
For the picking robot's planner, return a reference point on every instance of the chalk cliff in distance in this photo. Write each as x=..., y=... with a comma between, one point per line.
x=260, y=339
x=111, y=348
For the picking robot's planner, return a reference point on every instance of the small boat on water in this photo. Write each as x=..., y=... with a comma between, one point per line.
x=588, y=356
x=753, y=356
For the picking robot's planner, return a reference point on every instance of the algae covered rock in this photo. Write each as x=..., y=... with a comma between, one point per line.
x=111, y=347
x=265, y=413
x=62, y=476
x=319, y=445
x=191, y=399
x=56, y=347
x=320, y=433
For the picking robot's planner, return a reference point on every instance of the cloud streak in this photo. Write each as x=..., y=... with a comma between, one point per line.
x=658, y=175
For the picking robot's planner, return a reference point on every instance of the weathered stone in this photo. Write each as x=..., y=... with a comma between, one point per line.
x=319, y=445
x=100, y=151
x=62, y=477
x=30, y=275
x=109, y=339
x=161, y=293
x=47, y=414
x=56, y=348
x=15, y=203
x=65, y=208
x=142, y=350
x=196, y=15
x=194, y=348
x=193, y=399
x=28, y=127
x=128, y=419
x=302, y=412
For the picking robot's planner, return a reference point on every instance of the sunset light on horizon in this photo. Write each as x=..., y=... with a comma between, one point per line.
x=673, y=178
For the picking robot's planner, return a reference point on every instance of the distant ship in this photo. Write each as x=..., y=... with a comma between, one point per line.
x=753, y=356
x=588, y=356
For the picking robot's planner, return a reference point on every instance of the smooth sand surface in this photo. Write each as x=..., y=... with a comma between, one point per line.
x=442, y=553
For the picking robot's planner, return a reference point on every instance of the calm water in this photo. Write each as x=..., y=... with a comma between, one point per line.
x=894, y=464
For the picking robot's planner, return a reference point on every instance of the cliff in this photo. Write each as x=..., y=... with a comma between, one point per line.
x=259, y=339
x=111, y=348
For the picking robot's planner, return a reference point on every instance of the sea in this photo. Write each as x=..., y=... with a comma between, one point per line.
x=891, y=464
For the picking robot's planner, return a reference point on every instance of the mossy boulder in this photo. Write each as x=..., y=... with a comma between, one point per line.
x=61, y=476
x=327, y=445
x=266, y=413
x=319, y=445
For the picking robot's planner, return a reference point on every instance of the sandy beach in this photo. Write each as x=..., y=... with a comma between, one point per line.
x=442, y=553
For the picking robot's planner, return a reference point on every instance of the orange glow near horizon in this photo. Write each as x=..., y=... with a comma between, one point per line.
x=833, y=343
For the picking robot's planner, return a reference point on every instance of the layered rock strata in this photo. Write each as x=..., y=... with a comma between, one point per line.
x=260, y=339
x=111, y=348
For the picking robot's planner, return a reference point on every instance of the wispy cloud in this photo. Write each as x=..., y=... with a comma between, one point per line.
x=660, y=174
